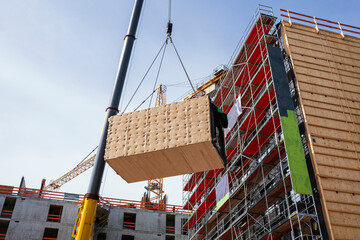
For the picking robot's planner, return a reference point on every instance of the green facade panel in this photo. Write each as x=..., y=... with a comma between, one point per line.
x=293, y=145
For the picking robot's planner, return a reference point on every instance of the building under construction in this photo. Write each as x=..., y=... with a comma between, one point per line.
x=40, y=214
x=291, y=93
x=292, y=99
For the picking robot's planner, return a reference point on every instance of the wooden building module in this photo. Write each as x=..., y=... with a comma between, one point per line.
x=163, y=141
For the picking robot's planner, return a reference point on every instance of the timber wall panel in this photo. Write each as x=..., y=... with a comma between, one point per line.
x=348, y=87
x=338, y=207
x=343, y=198
x=345, y=233
x=340, y=103
x=327, y=71
x=335, y=152
x=323, y=132
x=310, y=41
x=328, y=90
x=336, y=161
x=338, y=56
x=337, y=115
x=323, y=65
x=331, y=123
x=345, y=219
x=329, y=106
x=341, y=185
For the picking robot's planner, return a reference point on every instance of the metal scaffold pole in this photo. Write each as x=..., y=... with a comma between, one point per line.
x=84, y=223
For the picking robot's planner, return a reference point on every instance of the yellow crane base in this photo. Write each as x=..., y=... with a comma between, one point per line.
x=85, y=219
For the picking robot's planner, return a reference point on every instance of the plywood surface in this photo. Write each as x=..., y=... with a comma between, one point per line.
x=327, y=70
x=163, y=141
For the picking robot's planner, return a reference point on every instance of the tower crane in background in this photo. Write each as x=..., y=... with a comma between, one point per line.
x=154, y=197
x=73, y=173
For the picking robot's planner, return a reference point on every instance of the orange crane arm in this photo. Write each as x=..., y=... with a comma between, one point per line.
x=207, y=84
x=76, y=171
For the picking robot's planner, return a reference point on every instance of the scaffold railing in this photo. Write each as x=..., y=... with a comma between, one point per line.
x=316, y=22
x=72, y=197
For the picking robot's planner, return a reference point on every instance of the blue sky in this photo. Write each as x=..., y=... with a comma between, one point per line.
x=58, y=61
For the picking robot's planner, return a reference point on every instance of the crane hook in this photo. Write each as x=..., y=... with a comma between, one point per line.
x=169, y=28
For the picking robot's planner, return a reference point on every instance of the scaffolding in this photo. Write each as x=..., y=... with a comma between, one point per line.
x=261, y=202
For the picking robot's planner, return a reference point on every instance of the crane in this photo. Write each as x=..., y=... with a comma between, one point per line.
x=87, y=210
x=86, y=215
x=73, y=173
x=154, y=197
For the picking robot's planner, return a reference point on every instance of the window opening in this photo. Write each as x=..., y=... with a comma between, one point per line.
x=127, y=237
x=50, y=234
x=129, y=221
x=8, y=207
x=3, y=228
x=101, y=236
x=54, y=214
x=169, y=237
x=170, y=223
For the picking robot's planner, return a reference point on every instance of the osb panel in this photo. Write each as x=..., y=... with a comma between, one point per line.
x=327, y=70
x=163, y=141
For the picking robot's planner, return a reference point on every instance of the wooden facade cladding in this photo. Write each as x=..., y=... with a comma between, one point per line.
x=327, y=71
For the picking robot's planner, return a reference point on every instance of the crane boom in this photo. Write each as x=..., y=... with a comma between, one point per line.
x=76, y=171
x=86, y=215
